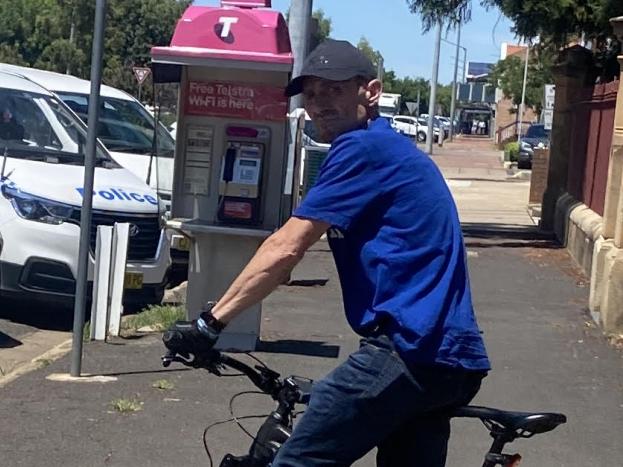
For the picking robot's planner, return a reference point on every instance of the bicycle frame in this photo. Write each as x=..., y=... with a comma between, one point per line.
x=289, y=392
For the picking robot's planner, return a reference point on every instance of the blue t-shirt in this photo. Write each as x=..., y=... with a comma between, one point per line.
x=398, y=247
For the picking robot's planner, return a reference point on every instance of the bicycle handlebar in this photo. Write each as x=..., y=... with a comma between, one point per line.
x=265, y=379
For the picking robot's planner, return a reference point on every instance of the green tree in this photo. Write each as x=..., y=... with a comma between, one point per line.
x=553, y=21
x=57, y=35
x=325, y=25
x=508, y=75
x=321, y=27
x=367, y=49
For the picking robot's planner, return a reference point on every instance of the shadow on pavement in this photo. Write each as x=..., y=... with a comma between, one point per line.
x=39, y=315
x=7, y=342
x=299, y=347
x=143, y=372
x=507, y=236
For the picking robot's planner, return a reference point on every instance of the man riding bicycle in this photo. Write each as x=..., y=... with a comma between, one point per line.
x=394, y=232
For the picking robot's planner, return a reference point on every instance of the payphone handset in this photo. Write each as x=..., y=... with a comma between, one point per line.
x=240, y=187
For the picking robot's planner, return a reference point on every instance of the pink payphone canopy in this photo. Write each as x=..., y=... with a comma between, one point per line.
x=237, y=31
x=247, y=3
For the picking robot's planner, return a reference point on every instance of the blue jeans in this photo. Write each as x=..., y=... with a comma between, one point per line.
x=374, y=400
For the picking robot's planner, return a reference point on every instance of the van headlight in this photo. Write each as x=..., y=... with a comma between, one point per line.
x=37, y=209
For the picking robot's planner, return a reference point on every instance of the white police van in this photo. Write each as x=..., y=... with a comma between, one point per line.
x=42, y=144
x=126, y=128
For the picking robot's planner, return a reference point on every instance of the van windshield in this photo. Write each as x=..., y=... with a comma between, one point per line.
x=537, y=131
x=124, y=125
x=36, y=126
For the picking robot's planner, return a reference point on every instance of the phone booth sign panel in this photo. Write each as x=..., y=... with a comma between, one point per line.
x=232, y=64
x=236, y=100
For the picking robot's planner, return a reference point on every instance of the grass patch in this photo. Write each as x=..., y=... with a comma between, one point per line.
x=86, y=332
x=158, y=317
x=163, y=385
x=126, y=405
x=43, y=362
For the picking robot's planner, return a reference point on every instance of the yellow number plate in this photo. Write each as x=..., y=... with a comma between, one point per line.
x=133, y=280
x=184, y=244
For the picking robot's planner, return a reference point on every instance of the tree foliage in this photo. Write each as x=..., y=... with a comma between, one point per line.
x=57, y=35
x=325, y=25
x=373, y=55
x=321, y=27
x=408, y=87
x=553, y=21
x=508, y=75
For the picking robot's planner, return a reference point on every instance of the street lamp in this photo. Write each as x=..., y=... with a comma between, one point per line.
x=464, y=53
x=454, y=83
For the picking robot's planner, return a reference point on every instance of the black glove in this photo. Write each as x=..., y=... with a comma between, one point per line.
x=194, y=337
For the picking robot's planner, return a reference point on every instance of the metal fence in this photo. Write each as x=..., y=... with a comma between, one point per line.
x=592, y=130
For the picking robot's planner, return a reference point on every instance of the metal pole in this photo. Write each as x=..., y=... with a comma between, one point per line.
x=456, y=70
x=379, y=67
x=89, y=175
x=433, y=95
x=299, y=26
x=417, y=112
x=523, y=96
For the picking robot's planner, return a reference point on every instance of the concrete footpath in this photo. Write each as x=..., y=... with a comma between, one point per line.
x=531, y=304
x=546, y=355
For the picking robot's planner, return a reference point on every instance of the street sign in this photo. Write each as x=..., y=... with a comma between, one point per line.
x=550, y=96
x=411, y=107
x=141, y=73
x=548, y=118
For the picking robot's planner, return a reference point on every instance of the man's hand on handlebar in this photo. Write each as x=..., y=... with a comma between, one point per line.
x=195, y=337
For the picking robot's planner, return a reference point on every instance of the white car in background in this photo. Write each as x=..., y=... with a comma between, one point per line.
x=413, y=127
x=42, y=144
x=126, y=128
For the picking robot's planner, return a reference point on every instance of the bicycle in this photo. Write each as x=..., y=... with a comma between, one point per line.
x=504, y=426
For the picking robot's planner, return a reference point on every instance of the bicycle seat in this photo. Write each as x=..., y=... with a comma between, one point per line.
x=519, y=424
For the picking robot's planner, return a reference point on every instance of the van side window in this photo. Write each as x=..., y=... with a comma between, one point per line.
x=35, y=128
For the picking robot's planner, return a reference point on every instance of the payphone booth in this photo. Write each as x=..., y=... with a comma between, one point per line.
x=232, y=64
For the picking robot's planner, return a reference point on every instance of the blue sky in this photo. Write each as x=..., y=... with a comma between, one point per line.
x=392, y=29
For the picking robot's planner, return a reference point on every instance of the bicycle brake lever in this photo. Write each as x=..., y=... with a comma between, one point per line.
x=267, y=372
x=171, y=357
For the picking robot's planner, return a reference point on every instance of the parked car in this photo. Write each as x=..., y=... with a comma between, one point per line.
x=438, y=124
x=536, y=137
x=409, y=126
x=42, y=144
x=126, y=128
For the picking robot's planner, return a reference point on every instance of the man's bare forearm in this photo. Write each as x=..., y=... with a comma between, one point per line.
x=267, y=269
x=270, y=266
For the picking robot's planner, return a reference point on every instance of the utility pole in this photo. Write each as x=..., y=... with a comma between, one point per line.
x=379, y=66
x=299, y=25
x=89, y=176
x=433, y=95
x=454, y=84
x=72, y=36
x=523, y=95
x=417, y=112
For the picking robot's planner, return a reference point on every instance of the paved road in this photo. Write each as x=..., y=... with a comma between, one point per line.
x=530, y=301
x=545, y=352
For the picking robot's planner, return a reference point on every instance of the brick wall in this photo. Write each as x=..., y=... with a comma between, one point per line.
x=503, y=116
x=538, y=178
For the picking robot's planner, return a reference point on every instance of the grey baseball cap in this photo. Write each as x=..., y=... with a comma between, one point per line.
x=333, y=60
